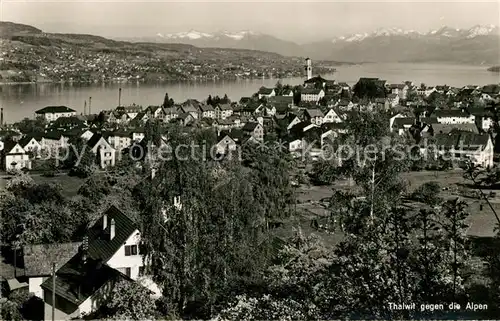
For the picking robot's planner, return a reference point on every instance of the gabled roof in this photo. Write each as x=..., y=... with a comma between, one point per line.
x=250, y=126
x=100, y=246
x=450, y=113
x=280, y=100
x=38, y=258
x=77, y=281
x=310, y=91
x=54, y=109
x=188, y=108
x=316, y=79
x=25, y=140
x=9, y=145
x=245, y=100
x=53, y=135
x=94, y=140
x=265, y=91
x=224, y=107
x=206, y=107
x=314, y=112
x=448, y=128
x=491, y=89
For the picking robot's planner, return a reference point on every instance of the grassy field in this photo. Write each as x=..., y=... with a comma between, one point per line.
x=69, y=184
x=481, y=222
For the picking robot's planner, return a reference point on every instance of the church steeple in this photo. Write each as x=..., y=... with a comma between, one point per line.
x=308, y=68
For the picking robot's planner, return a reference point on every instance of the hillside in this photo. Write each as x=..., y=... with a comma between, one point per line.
x=28, y=55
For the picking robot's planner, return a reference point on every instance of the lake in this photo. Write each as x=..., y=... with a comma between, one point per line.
x=21, y=101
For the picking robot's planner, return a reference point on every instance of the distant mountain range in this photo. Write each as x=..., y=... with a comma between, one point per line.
x=476, y=45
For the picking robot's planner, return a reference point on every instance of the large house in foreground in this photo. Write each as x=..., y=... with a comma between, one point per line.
x=109, y=253
x=51, y=113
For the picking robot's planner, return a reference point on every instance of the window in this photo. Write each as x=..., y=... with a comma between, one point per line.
x=131, y=250
x=128, y=271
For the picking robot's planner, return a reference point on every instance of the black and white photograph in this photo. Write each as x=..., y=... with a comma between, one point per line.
x=249, y=160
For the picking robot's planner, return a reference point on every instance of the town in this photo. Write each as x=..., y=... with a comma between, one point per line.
x=26, y=59
x=278, y=132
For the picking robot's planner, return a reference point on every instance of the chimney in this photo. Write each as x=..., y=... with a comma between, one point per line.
x=1, y=117
x=104, y=221
x=112, y=229
x=90, y=104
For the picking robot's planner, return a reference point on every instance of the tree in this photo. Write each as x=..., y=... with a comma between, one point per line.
x=297, y=95
x=428, y=193
x=210, y=100
x=278, y=88
x=130, y=300
x=31, y=126
x=167, y=101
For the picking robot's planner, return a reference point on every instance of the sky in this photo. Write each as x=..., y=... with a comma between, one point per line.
x=290, y=20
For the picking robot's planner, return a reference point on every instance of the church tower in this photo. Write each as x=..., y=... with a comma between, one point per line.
x=308, y=68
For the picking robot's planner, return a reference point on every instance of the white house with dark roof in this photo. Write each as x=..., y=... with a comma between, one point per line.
x=266, y=92
x=223, y=111
x=454, y=116
x=109, y=253
x=14, y=156
x=51, y=113
x=332, y=116
x=206, y=111
x=311, y=94
x=254, y=130
x=226, y=144
x=314, y=115
x=98, y=144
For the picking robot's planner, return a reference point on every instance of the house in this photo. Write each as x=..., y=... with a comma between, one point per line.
x=477, y=148
x=38, y=260
x=206, y=111
x=106, y=152
x=110, y=252
x=131, y=110
x=170, y=113
x=278, y=101
x=14, y=156
x=51, y=113
x=311, y=94
x=332, y=116
x=226, y=144
x=155, y=112
x=53, y=140
x=120, y=140
x=266, y=110
x=448, y=128
x=254, y=130
x=393, y=99
x=344, y=86
x=141, y=118
x=186, y=119
x=295, y=145
x=30, y=144
x=137, y=134
x=330, y=131
x=453, y=116
x=315, y=82
x=399, y=89
x=402, y=125
x=266, y=92
x=425, y=91
x=223, y=111
x=189, y=108
x=344, y=104
x=87, y=134
x=314, y=115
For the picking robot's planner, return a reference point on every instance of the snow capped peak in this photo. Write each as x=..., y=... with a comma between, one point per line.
x=479, y=30
x=239, y=34
x=191, y=34
x=195, y=35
